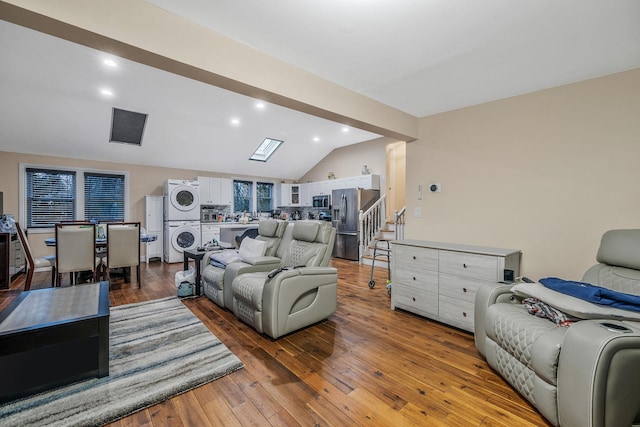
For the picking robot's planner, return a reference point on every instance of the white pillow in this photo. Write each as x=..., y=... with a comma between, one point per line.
x=251, y=248
x=571, y=305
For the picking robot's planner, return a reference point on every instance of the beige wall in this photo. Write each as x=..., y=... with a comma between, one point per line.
x=143, y=180
x=348, y=161
x=546, y=173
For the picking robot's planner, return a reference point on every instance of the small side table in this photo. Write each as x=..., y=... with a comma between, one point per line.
x=197, y=256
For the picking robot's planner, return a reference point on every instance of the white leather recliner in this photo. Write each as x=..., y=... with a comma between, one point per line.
x=584, y=375
x=301, y=292
x=217, y=280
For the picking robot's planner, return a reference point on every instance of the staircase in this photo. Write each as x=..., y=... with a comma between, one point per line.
x=379, y=241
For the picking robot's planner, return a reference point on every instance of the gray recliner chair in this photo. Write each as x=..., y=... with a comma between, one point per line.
x=301, y=292
x=216, y=280
x=584, y=375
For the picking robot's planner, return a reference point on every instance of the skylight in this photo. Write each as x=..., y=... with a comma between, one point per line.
x=265, y=150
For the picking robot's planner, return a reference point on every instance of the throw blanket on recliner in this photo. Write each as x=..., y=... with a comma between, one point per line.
x=592, y=293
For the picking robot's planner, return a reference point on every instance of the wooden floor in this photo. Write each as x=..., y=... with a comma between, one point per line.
x=365, y=365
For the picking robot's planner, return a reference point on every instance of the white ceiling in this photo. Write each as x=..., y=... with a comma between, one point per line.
x=419, y=56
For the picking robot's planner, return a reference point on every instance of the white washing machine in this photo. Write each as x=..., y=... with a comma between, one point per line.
x=180, y=236
x=181, y=200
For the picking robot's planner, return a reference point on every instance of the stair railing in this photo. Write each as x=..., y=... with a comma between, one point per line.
x=398, y=219
x=370, y=222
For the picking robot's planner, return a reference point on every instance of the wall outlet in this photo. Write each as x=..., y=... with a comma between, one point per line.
x=420, y=192
x=435, y=187
x=417, y=212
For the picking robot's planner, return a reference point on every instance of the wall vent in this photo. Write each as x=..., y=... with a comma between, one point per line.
x=127, y=127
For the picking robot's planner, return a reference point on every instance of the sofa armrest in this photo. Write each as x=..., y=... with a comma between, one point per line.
x=598, y=375
x=488, y=294
x=298, y=297
x=262, y=260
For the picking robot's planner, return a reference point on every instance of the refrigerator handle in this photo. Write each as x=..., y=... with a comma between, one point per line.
x=343, y=208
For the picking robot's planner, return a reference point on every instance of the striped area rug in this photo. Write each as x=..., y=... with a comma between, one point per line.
x=157, y=349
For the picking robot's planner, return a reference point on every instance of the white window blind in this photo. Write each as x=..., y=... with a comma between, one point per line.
x=104, y=197
x=51, y=197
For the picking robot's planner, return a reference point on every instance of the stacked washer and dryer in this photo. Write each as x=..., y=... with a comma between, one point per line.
x=181, y=218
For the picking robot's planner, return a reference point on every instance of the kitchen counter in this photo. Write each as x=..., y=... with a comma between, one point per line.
x=252, y=224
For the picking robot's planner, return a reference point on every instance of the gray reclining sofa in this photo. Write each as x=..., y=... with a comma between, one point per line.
x=583, y=375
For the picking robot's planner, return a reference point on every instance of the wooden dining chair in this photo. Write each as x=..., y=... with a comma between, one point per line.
x=33, y=263
x=123, y=247
x=75, y=249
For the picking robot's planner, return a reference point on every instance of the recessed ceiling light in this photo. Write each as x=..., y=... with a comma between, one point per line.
x=345, y=129
x=110, y=63
x=260, y=105
x=316, y=139
x=235, y=121
x=106, y=92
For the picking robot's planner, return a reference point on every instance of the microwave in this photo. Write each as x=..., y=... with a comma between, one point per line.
x=323, y=202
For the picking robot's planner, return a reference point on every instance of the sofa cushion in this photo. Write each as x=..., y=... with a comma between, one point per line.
x=251, y=248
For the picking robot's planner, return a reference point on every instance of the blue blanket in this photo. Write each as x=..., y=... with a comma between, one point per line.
x=594, y=294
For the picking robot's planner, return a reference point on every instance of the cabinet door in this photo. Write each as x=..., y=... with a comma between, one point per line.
x=295, y=195
x=285, y=195
x=306, y=197
x=153, y=210
x=221, y=191
x=205, y=190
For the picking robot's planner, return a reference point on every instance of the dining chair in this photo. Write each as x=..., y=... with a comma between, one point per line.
x=33, y=263
x=75, y=249
x=123, y=247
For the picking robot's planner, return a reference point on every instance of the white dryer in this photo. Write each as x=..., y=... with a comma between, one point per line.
x=181, y=200
x=178, y=237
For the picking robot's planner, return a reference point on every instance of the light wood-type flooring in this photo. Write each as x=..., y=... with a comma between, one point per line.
x=365, y=365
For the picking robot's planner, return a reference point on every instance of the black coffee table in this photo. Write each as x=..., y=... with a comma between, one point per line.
x=52, y=337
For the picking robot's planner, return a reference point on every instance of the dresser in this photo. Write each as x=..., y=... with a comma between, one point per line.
x=439, y=280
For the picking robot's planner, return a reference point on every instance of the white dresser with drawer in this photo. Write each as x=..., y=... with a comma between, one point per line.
x=439, y=280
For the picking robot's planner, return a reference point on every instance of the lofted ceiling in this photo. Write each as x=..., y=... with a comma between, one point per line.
x=419, y=56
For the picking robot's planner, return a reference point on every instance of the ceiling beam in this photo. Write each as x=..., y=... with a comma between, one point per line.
x=139, y=31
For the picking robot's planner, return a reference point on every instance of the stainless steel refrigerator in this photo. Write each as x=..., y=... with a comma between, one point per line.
x=346, y=205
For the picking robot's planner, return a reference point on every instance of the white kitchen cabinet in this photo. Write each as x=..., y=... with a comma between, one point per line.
x=208, y=232
x=292, y=194
x=224, y=191
x=154, y=226
x=440, y=280
x=215, y=191
x=206, y=196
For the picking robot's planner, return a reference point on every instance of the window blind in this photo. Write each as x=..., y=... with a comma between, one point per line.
x=51, y=197
x=104, y=197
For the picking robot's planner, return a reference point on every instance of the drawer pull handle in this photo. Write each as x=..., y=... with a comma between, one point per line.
x=464, y=314
x=464, y=265
x=414, y=299
x=464, y=289
x=414, y=257
x=414, y=278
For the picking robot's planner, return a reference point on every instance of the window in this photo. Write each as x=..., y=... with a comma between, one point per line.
x=51, y=197
x=245, y=198
x=264, y=195
x=103, y=197
x=242, y=196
